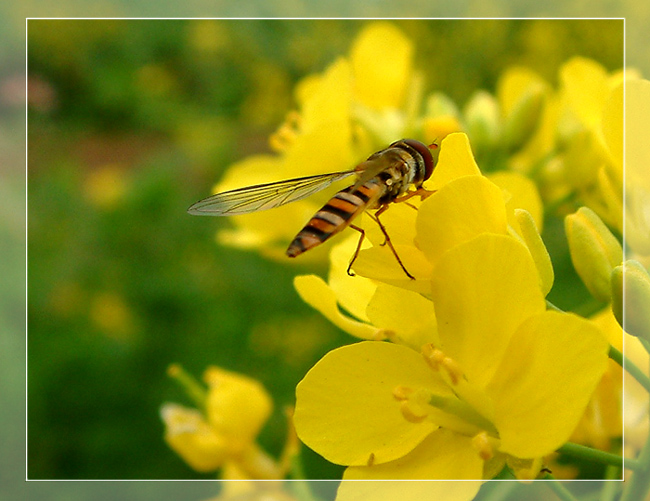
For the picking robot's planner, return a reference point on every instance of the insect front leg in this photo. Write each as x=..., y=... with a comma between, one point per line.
x=420, y=192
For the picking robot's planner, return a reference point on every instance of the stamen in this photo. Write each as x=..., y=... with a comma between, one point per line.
x=436, y=359
x=287, y=133
x=483, y=444
x=371, y=459
x=402, y=392
x=382, y=334
x=411, y=413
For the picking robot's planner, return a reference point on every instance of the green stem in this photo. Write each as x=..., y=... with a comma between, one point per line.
x=639, y=483
x=611, y=490
x=300, y=487
x=596, y=456
x=630, y=367
x=561, y=491
x=194, y=389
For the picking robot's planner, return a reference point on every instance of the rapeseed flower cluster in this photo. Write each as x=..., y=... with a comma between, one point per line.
x=466, y=370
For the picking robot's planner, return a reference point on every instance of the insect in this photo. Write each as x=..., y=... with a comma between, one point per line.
x=383, y=178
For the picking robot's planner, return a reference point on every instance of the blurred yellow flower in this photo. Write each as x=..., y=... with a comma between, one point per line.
x=506, y=378
x=106, y=186
x=344, y=114
x=223, y=436
x=112, y=315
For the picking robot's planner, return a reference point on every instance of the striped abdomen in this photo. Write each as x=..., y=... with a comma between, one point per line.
x=336, y=215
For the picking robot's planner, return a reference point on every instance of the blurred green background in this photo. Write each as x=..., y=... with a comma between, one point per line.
x=129, y=122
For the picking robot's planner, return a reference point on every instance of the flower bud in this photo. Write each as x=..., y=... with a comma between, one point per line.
x=482, y=118
x=523, y=119
x=631, y=298
x=594, y=251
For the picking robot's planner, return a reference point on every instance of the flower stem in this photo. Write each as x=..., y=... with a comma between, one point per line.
x=639, y=483
x=300, y=487
x=630, y=367
x=192, y=387
x=611, y=490
x=561, y=491
x=595, y=456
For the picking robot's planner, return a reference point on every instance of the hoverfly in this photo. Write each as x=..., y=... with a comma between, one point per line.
x=383, y=178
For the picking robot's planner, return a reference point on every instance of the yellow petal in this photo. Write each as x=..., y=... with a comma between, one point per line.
x=637, y=124
x=407, y=491
x=523, y=194
x=380, y=46
x=327, y=99
x=443, y=455
x=482, y=290
x=404, y=312
x=546, y=378
x=346, y=410
x=459, y=211
x=190, y=436
x=352, y=293
x=585, y=88
x=533, y=240
x=316, y=293
x=455, y=160
x=237, y=406
x=379, y=263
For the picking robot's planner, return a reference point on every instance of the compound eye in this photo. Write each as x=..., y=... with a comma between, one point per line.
x=425, y=152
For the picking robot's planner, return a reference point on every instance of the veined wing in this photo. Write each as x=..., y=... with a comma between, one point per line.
x=265, y=196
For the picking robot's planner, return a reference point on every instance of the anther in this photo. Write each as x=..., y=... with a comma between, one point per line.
x=402, y=392
x=481, y=442
x=436, y=359
x=410, y=413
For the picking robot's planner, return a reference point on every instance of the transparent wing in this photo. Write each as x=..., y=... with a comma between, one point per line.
x=265, y=196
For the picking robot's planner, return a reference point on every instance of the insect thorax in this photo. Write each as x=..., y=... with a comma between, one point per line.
x=408, y=169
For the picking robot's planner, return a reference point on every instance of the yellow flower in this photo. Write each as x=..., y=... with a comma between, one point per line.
x=637, y=159
x=507, y=378
x=223, y=436
x=464, y=205
x=344, y=114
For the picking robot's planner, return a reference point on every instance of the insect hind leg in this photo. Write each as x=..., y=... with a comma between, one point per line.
x=356, y=252
x=386, y=241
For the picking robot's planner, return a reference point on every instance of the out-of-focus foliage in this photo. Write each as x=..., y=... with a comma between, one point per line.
x=129, y=123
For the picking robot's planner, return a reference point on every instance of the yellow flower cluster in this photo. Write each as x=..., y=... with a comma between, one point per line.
x=479, y=371
x=477, y=365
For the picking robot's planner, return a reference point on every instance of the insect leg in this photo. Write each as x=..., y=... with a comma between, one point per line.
x=387, y=240
x=420, y=192
x=356, y=252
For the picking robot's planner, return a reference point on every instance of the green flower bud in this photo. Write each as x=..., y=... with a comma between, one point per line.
x=524, y=118
x=631, y=298
x=482, y=119
x=594, y=251
x=440, y=104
